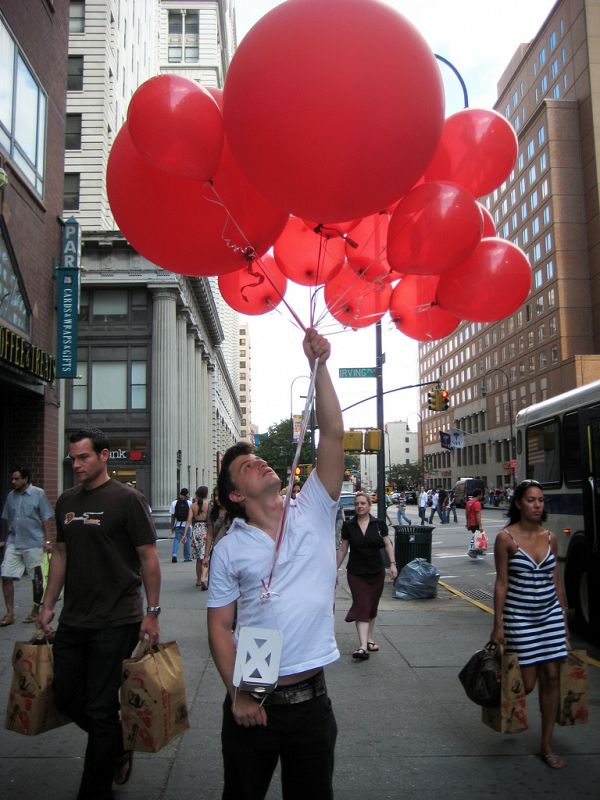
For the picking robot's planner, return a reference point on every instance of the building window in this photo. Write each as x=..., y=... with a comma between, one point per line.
x=541, y=333
x=532, y=174
x=542, y=56
x=544, y=84
x=556, y=92
x=14, y=307
x=543, y=359
x=138, y=385
x=109, y=385
x=537, y=278
x=109, y=305
x=71, y=197
x=75, y=74
x=554, y=354
x=546, y=215
x=539, y=304
x=548, y=242
x=23, y=110
x=552, y=326
x=532, y=363
x=80, y=388
x=530, y=148
x=554, y=68
x=76, y=16
x=537, y=252
x=530, y=339
x=552, y=40
x=533, y=200
x=73, y=132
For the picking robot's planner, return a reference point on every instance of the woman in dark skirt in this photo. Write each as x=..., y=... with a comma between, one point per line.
x=366, y=537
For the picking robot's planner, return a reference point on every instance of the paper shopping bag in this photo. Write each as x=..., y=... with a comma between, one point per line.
x=480, y=541
x=511, y=715
x=31, y=709
x=573, y=705
x=153, y=700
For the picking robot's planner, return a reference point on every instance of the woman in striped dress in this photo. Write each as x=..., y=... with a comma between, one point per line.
x=529, y=604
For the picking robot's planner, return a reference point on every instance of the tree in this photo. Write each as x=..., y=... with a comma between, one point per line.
x=277, y=449
x=404, y=476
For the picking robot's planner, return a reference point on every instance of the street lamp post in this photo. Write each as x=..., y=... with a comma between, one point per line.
x=513, y=444
x=422, y=445
x=312, y=424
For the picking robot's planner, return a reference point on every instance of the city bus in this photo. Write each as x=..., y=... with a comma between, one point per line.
x=558, y=444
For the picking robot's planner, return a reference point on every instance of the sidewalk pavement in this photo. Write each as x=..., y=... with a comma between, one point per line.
x=406, y=728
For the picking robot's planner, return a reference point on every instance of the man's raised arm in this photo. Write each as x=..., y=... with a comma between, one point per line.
x=330, y=452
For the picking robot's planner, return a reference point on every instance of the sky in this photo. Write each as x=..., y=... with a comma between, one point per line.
x=479, y=37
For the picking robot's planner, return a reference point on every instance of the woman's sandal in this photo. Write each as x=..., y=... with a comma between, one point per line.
x=552, y=761
x=372, y=647
x=33, y=617
x=7, y=619
x=360, y=654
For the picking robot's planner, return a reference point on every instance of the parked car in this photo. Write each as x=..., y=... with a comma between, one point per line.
x=411, y=497
x=346, y=503
x=464, y=489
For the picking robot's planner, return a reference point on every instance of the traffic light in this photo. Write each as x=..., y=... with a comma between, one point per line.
x=298, y=473
x=431, y=400
x=353, y=441
x=373, y=441
x=444, y=399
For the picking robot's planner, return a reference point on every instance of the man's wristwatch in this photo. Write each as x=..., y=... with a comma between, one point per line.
x=153, y=610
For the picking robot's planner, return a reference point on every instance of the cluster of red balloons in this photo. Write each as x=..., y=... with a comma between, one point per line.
x=328, y=144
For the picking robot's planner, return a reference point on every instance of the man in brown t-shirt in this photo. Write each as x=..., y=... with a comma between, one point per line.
x=105, y=549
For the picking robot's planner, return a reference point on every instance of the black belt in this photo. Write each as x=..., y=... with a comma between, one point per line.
x=296, y=692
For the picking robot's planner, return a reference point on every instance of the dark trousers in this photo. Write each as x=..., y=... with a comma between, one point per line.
x=301, y=735
x=87, y=676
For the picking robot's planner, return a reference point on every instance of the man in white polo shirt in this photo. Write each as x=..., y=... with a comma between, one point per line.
x=295, y=723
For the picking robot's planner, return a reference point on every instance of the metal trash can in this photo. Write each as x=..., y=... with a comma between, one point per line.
x=412, y=541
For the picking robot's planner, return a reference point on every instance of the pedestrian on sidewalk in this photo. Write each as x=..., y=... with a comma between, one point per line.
x=179, y=511
x=473, y=520
x=452, y=506
x=196, y=528
x=402, y=509
x=286, y=582
x=365, y=537
x=26, y=514
x=423, y=503
x=105, y=549
x=530, y=606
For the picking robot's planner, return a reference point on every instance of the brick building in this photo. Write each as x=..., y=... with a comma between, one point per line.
x=33, y=69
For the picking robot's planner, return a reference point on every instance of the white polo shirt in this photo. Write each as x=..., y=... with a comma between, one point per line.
x=303, y=582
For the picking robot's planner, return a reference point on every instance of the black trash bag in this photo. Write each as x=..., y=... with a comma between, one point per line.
x=417, y=581
x=480, y=676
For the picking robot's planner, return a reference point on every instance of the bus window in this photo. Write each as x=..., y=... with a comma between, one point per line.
x=571, y=449
x=543, y=453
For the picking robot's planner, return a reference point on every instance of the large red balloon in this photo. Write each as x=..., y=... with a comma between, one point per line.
x=433, y=229
x=477, y=150
x=255, y=289
x=414, y=311
x=366, y=248
x=489, y=226
x=176, y=124
x=355, y=302
x=333, y=108
x=182, y=225
x=307, y=257
x=492, y=283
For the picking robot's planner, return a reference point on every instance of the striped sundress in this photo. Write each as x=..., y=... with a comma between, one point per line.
x=534, y=626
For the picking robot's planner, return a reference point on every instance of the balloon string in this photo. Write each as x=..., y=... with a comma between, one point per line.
x=248, y=251
x=288, y=495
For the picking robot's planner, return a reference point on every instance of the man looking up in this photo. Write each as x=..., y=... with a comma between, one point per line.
x=105, y=548
x=295, y=723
